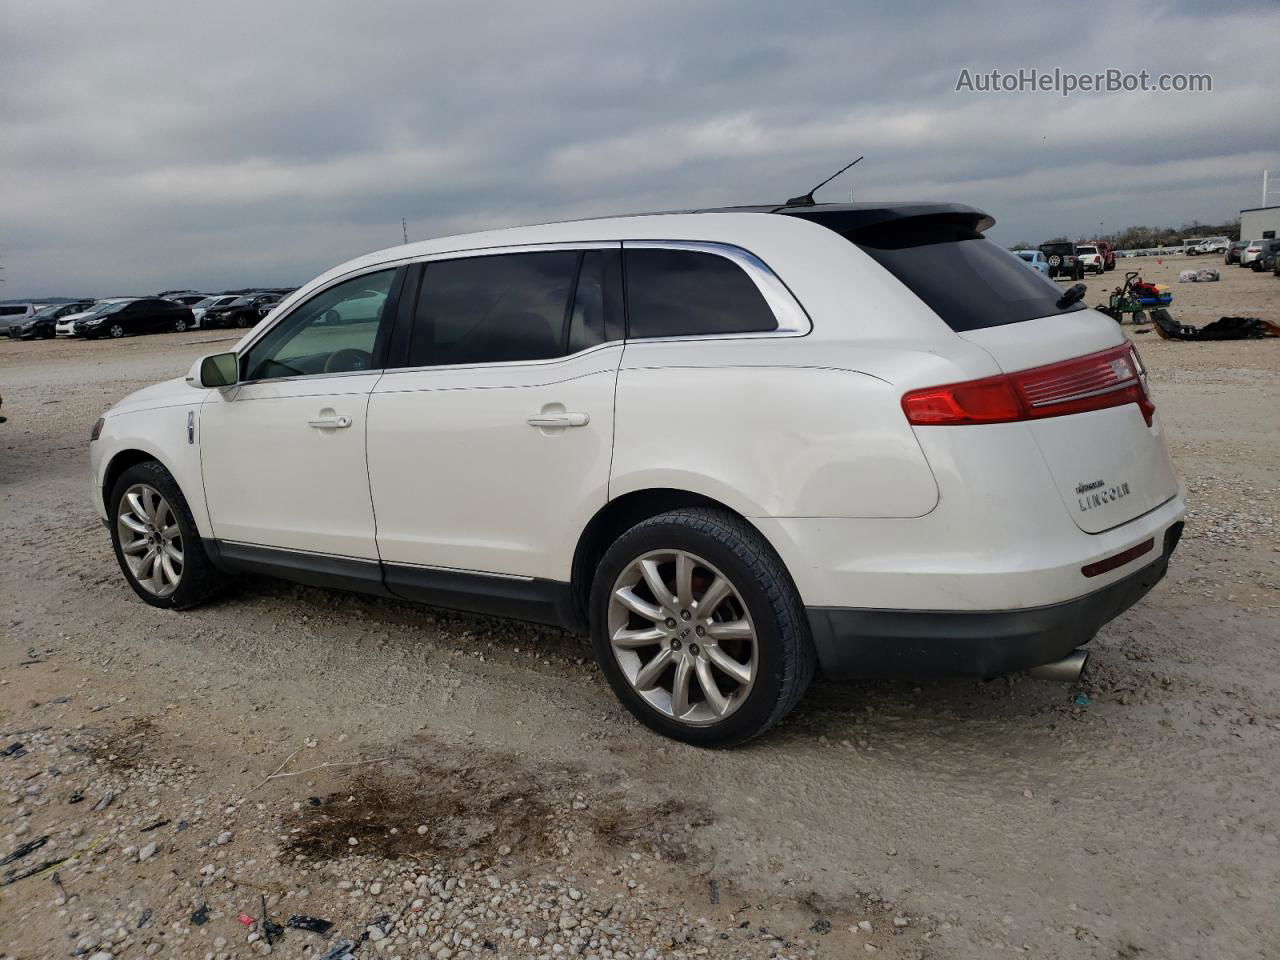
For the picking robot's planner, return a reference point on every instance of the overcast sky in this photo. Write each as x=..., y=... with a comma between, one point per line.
x=158, y=145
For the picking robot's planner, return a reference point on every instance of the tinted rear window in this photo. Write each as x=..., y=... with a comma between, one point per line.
x=967, y=280
x=682, y=293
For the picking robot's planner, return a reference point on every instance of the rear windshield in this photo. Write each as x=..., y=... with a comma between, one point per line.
x=967, y=280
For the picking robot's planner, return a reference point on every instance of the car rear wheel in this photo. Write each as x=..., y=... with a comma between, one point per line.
x=156, y=541
x=180, y=325
x=699, y=629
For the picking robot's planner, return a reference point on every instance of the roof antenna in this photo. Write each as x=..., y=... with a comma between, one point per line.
x=806, y=200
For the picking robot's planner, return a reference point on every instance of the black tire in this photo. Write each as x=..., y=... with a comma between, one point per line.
x=242, y=321
x=200, y=579
x=786, y=659
x=115, y=331
x=180, y=325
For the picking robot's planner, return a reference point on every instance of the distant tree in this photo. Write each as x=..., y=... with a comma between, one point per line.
x=1021, y=245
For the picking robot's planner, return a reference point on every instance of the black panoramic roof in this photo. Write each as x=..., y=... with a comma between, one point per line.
x=847, y=217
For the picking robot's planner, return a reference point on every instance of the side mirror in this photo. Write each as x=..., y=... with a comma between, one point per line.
x=215, y=370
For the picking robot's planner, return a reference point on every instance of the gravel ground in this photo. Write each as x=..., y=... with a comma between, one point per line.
x=436, y=785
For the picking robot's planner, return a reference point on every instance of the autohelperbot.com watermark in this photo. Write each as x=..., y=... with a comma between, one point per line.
x=1066, y=82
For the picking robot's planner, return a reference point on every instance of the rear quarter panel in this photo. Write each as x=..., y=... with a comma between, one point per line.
x=767, y=430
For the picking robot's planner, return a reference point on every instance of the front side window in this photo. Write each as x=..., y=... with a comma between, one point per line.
x=496, y=309
x=333, y=332
x=681, y=293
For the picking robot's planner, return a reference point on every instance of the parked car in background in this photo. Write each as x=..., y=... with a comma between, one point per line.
x=1190, y=245
x=187, y=299
x=1033, y=259
x=1063, y=262
x=1251, y=252
x=1233, y=251
x=144, y=315
x=1210, y=245
x=678, y=434
x=198, y=310
x=11, y=313
x=42, y=324
x=241, y=312
x=1108, y=254
x=1091, y=258
x=66, y=327
x=1265, y=261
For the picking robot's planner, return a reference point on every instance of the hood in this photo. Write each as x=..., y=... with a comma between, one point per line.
x=171, y=393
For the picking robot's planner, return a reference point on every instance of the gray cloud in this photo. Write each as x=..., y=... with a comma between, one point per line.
x=150, y=145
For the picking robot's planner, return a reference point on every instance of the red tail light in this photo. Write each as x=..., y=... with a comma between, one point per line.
x=1111, y=378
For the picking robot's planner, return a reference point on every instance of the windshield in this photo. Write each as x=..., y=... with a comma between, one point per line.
x=243, y=301
x=48, y=311
x=110, y=308
x=967, y=280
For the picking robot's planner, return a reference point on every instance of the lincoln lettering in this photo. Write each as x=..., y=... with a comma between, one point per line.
x=1102, y=497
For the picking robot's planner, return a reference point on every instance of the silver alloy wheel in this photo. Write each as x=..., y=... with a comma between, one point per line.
x=117, y=330
x=150, y=539
x=683, y=637
x=180, y=325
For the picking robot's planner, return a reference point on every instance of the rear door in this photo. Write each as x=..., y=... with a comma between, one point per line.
x=1110, y=465
x=489, y=449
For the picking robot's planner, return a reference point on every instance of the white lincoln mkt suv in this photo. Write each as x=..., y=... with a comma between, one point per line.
x=734, y=445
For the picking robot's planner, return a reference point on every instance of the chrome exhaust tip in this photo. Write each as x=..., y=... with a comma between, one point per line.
x=1068, y=669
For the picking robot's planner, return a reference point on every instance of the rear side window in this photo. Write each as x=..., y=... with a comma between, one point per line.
x=12, y=311
x=967, y=280
x=511, y=307
x=683, y=293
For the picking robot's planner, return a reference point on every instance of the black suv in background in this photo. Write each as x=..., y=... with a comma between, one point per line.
x=147, y=315
x=40, y=325
x=243, y=312
x=1063, y=261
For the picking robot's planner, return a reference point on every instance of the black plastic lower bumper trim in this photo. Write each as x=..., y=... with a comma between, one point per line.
x=854, y=643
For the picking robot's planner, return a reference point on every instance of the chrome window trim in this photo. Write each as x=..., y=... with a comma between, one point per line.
x=792, y=319
x=494, y=364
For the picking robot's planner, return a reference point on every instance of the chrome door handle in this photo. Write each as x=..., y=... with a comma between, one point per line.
x=330, y=423
x=560, y=420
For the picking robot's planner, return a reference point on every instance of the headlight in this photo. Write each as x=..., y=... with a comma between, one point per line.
x=97, y=430
x=91, y=323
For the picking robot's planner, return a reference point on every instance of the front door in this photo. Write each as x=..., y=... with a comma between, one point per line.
x=283, y=452
x=490, y=451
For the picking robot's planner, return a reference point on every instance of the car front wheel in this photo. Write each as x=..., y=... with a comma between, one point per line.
x=699, y=629
x=156, y=541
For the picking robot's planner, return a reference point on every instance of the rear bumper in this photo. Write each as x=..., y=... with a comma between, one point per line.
x=912, y=643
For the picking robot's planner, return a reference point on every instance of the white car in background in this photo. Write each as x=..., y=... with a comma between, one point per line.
x=199, y=309
x=1211, y=245
x=734, y=446
x=1090, y=258
x=1252, y=252
x=66, y=326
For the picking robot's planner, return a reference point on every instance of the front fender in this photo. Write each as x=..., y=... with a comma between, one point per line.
x=161, y=433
